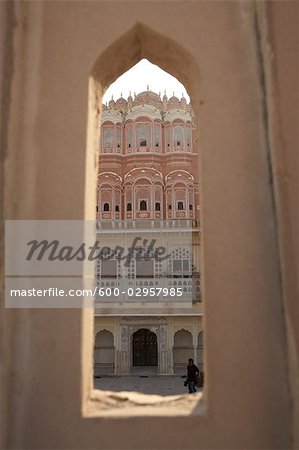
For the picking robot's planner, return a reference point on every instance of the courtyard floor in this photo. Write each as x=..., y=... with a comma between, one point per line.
x=151, y=384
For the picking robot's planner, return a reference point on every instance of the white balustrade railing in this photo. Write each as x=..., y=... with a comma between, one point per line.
x=148, y=290
x=168, y=224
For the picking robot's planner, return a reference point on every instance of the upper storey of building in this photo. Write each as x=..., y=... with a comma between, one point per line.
x=149, y=98
x=148, y=123
x=148, y=165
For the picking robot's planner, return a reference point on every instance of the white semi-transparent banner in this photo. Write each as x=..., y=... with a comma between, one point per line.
x=114, y=266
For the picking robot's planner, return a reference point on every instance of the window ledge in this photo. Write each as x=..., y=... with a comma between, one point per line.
x=132, y=404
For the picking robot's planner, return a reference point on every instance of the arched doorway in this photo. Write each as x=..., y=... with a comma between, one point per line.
x=104, y=353
x=145, y=348
x=182, y=351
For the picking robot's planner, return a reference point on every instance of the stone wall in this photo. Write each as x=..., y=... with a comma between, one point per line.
x=238, y=61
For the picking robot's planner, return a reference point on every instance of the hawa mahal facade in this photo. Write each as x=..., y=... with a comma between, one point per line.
x=149, y=159
x=148, y=186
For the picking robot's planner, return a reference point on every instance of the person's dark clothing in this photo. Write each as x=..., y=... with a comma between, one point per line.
x=191, y=372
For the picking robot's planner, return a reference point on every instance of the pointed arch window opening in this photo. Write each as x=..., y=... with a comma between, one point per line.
x=144, y=205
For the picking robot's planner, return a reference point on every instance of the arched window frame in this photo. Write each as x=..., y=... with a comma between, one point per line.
x=143, y=205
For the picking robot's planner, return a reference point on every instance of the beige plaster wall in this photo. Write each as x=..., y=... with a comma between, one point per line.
x=249, y=247
x=280, y=53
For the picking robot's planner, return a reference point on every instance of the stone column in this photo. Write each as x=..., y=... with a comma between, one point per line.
x=195, y=349
x=195, y=354
x=123, y=355
x=171, y=370
x=163, y=353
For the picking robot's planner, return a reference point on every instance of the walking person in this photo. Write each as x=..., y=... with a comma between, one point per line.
x=192, y=375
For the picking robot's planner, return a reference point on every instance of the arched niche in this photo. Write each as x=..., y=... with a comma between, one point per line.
x=104, y=353
x=182, y=350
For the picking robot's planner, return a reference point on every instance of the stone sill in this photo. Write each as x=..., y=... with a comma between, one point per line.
x=135, y=404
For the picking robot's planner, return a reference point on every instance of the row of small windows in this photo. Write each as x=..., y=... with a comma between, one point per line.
x=180, y=268
x=143, y=207
x=143, y=135
x=144, y=144
x=106, y=207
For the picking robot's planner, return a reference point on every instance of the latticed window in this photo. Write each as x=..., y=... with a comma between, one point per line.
x=144, y=268
x=118, y=137
x=107, y=268
x=167, y=136
x=143, y=134
x=178, y=135
x=129, y=136
x=157, y=134
x=180, y=263
x=188, y=136
x=143, y=206
x=108, y=137
x=130, y=270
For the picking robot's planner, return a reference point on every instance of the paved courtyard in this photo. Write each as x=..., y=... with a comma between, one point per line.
x=159, y=385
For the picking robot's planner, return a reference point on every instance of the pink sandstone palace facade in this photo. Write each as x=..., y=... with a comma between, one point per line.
x=148, y=186
x=148, y=162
